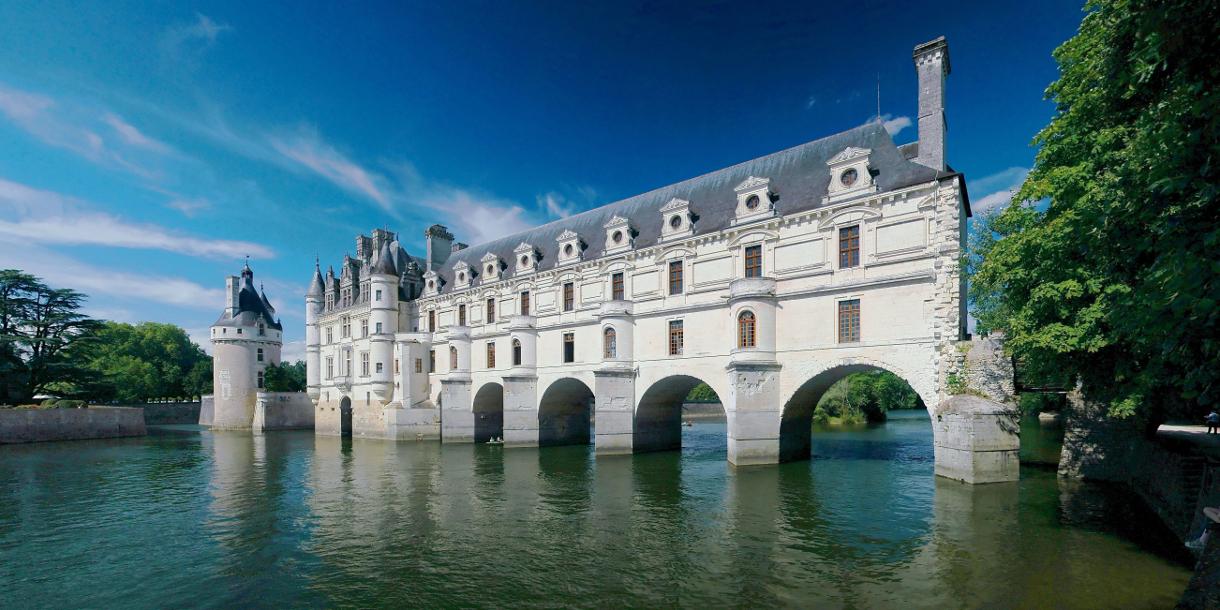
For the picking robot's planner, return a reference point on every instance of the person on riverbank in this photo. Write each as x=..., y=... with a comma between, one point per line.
x=1213, y=422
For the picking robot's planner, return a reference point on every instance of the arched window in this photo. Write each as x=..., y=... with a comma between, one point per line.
x=610, y=343
x=516, y=352
x=745, y=329
x=452, y=357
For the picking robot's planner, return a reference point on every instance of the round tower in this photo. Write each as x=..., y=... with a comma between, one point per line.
x=383, y=320
x=313, y=341
x=245, y=339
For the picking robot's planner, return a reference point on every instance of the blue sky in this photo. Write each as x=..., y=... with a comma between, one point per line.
x=145, y=148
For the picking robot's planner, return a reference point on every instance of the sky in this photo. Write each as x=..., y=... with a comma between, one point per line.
x=147, y=148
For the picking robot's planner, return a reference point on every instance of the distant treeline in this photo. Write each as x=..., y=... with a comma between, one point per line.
x=857, y=398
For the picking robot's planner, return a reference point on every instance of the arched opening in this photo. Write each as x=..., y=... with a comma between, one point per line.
x=745, y=329
x=489, y=413
x=345, y=417
x=659, y=424
x=849, y=394
x=609, y=344
x=516, y=352
x=565, y=414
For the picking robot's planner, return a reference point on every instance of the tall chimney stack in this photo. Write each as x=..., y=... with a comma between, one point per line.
x=932, y=66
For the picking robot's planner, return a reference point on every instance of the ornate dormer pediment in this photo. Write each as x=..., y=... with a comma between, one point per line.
x=850, y=175
x=463, y=276
x=619, y=236
x=570, y=246
x=432, y=283
x=754, y=200
x=491, y=265
x=849, y=153
x=526, y=258
x=676, y=219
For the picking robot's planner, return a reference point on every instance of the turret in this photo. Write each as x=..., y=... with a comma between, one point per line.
x=313, y=350
x=383, y=319
x=245, y=339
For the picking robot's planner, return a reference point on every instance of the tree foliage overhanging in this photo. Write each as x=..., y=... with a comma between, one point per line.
x=1110, y=279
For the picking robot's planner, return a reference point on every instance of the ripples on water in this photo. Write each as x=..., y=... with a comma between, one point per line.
x=192, y=518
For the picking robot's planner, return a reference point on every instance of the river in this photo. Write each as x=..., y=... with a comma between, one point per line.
x=187, y=517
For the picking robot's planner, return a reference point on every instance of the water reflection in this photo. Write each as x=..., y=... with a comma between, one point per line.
x=291, y=519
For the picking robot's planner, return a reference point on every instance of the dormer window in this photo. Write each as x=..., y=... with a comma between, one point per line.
x=618, y=235
x=677, y=220
x=432, y=284
x=490, y=264
x=462, y=275
x=527, y=258
x=570, y=247
x=849, y=175
x=754, y=199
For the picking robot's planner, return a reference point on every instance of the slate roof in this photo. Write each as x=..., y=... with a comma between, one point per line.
x=799, y=177
x=251, y=306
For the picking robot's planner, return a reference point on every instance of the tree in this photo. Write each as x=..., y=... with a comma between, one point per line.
x=42, y=332
x=1110, y=280
x=145, y=361
x=285, y=377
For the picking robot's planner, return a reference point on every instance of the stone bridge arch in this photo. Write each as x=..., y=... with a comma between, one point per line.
x=657, y=424
x=488, y=410
x=565, y=413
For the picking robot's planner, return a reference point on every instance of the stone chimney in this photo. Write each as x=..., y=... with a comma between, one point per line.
x=440, y=245
x=932, y=66
x=232, y=287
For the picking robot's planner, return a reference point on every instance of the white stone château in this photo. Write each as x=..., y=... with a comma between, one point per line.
x=245, y=339
x=768, y=280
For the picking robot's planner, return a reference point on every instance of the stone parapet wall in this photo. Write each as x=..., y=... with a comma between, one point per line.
x=162, y=413
x=38, y=425
x=283, y=411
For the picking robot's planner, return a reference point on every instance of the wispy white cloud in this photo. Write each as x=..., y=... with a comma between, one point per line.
x=185, y=43
x=556, y=205
x=306, y=148
x=133, y=136
x=994, y=192
x=38, y=216
x=896, y=124
x=61, y=270
x=189, y=207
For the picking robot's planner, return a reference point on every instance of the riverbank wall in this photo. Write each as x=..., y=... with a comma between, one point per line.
x=163, y=413
x=282, y=411
x=40, y=425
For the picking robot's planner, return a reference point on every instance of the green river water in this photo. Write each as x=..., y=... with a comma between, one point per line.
x=191, y=518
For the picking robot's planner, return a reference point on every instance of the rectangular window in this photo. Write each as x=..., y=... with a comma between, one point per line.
x=379, y=328
x=260, y=380
x=569, y=296
x=525, y=303
x=675, y=277
x=419, y=365
x=330, y=334
x=491, y=354
x=378, y=297
x=378, y=367
x=754, y=261
x=569, y=347
x=849, y=247
x=396, y=371
x=260, y=354
x=330, y=368
x=849, y=321
x=364, y=364
x=347, y=364
x=432, y=321
x=462, y=315
x=431, y=360
x=675, y=337
x=262, y=330
x=491, y=310
x=364, y=328
x=239, y=331
x=616, y=287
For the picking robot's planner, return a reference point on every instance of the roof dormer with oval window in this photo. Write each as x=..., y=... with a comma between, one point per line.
x=463, y=275
x=491, y=266
x=619, y=236
x=850, y=175
x=676, y=219
x=755, y=200
x=570, y=247
x=432, y=284
x=526, y=257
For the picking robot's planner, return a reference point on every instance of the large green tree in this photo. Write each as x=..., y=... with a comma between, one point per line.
x=146, y=361
x=42, y=332
x=285, y=377
x=1109, y=279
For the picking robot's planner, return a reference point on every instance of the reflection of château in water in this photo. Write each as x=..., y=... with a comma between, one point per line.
x=768, y=280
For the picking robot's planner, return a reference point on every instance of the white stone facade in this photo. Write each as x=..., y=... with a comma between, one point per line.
x=579, y=320
x=245, y=340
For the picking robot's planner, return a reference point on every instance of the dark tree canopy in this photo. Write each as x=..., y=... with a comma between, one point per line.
x=149, y=360
x=1111, y=278
x=285, y=377
x=42, y=332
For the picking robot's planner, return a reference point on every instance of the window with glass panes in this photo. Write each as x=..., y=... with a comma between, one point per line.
x=569, y=296
x=525, y=302
x=745, y=329
x=849, y=246
x=462, y=315
x=849, y=321
x=569, y=347
x=491, y=354
x=616, y=287
x=516, y=352
x=491, y=310
x=609, y=343
x=675, y=337
x=432, y=321
x=452, y=358
x=675, y=277
x=364, y=364
x=754, y=261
